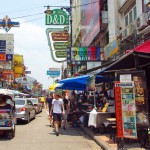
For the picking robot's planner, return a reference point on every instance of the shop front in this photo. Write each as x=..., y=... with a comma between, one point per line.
x=132, y=93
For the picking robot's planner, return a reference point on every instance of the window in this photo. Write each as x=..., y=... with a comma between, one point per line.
x=130, y=16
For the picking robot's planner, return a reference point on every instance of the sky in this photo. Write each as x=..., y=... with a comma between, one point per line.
x=30, y=38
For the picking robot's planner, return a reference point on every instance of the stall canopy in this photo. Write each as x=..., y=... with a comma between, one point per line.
x=79, y=83
x=127, y=62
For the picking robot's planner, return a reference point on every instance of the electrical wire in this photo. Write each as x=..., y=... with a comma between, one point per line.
x=28, y=8
x=32, y=20
x=27, y=16
x=52, y=6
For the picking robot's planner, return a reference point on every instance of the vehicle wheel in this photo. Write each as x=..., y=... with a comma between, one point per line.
x=28, y=120
x=34, y=115
x=10, y=134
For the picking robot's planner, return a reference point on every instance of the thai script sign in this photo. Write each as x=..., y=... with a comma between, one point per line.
x=58, y=17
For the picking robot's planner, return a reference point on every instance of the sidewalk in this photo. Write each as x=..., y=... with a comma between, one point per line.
x=106, y=144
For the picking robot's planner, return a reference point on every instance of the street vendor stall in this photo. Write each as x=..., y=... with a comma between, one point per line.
x=132, y=94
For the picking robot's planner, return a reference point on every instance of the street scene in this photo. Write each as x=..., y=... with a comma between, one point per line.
x=75, y=75
x=38, y=135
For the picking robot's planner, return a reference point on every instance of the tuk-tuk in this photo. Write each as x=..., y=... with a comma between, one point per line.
x=7, y=113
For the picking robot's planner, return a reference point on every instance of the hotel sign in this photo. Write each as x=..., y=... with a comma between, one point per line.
x=58, y=17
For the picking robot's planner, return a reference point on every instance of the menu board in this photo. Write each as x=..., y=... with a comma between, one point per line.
x=128, y=109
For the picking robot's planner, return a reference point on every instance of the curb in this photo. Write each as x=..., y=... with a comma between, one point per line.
x=102, y=144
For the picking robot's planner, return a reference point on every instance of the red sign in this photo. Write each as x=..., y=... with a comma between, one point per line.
x=60, y=36
x=2, y=56
x=119, y=119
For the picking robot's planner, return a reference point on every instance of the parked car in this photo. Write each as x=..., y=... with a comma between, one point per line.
x=38, y=105
x=25, y=110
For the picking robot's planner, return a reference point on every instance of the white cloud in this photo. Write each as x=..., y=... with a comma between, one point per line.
x=31, y=42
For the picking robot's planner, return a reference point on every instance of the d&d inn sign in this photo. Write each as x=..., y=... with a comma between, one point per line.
x=58, y=17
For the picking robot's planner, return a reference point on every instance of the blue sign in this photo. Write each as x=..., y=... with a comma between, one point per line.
x=9, y=57
x=53, y=73
x=2, y=44
x=28, y=72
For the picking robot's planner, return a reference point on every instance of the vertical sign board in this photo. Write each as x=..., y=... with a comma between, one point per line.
x=119, y=119
x=125, y=109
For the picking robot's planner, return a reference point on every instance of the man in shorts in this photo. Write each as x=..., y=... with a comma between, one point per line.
x=57, y=109
x=66, y=107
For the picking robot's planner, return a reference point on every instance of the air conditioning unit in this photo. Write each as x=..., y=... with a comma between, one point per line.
x=141, y=21
x=133, y=28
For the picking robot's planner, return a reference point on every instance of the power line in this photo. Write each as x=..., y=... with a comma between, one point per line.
x=32, y=20
x=14, y=11
x=27, y=16
x=51, y=6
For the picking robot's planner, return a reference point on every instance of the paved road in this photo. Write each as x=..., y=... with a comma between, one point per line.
x=37, y=135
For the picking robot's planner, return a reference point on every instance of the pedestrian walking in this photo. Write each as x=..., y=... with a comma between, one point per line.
x=49, y=103
x=57, y=109
x=66, y=107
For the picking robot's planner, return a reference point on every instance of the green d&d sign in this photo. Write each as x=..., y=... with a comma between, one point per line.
x=58, y=17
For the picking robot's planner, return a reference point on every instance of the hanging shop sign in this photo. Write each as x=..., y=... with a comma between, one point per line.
x=60, y=45
x=58, y=40
x=85, y=53
x=62, y=36
x=53, y=72
x=57, y=17
x=125, y=109
x=111, y=49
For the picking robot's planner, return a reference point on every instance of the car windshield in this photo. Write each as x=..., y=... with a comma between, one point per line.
x=34, y=100
x=20, y=102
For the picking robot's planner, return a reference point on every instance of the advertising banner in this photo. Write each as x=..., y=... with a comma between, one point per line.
x=85, y=53
x=90, y=22
x=111, y=49
x=128, y=107
x=18, y=60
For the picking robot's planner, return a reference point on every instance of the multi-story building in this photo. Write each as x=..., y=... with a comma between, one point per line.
x=119, y=26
